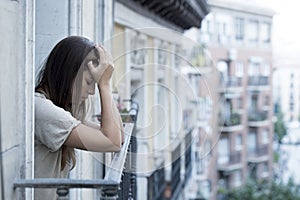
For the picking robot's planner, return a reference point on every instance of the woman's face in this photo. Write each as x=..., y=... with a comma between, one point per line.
x=88, y=85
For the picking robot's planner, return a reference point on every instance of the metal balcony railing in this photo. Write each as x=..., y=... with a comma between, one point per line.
x=234, y=119
x=255, y=116
x=109, y=185
x=258, y=80
x=234, y=158
x=116, y=184
x=261, y=150
x=233, y=81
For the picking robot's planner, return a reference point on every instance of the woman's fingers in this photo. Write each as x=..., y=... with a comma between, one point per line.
x=105, y=56
x=101, y=53
x=102, y=71
x=101, y=74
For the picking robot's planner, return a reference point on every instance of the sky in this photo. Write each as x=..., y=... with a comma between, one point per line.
x=286, y=32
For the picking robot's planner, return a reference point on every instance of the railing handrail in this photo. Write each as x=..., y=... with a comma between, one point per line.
x=259, y=150
x=115, y=169
x=63, y=182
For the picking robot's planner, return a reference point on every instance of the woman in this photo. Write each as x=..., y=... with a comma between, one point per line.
x=70, y=73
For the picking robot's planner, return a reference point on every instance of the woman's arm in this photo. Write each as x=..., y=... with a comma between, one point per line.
x=111, y=124
x=111, y=134
x=90, y=136
x=90, y=139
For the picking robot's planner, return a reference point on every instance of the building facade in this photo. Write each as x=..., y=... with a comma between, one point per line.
x=238, y=37
x=152, y=73
x=286, y=93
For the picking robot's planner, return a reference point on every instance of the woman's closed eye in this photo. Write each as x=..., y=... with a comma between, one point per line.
x=95, y=62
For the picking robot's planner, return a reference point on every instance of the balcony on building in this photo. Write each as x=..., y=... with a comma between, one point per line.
x=257, y=118
x=258, y=83
x=232, y=163
x=231, y=84
x=231, y=123
x=258, y=154
x=178, y=15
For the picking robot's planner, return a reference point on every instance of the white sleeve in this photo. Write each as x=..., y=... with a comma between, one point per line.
x=52, y=123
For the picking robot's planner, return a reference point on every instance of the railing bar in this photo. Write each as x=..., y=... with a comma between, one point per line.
x=115, y=170
x=109, y=185
x=66, y=183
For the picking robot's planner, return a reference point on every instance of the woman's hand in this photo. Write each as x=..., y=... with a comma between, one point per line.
x=102, y=71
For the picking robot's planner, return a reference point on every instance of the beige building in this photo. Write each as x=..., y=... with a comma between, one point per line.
x=238, y=36
x=149, y=70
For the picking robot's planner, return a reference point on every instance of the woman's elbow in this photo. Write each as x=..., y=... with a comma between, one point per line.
x=116, y=148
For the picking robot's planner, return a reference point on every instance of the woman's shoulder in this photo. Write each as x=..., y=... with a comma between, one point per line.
x=41, y=102
x=45, y=108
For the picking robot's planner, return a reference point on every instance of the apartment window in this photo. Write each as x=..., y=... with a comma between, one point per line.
x=254, y=69
x=239, y=69
x=237, y=178
x=266, y=32
x=240, y=103
x=291, y=107
x=136, y=60
x=205, y=188
x=266, y=69
x=227, y=108
x=266, y=100
x=223, y=69
x=178, y=56
x=222, y=32
x=265, y=136
x=253, y=102
x=207, y=29
x=251, y=142
x=223, y=150
x=264, y=170
x=240, y=29
x=207, y=26
x=253, y=31
x=238, y=142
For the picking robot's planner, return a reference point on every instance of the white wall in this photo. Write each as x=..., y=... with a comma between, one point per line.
x=16, y=87
x=52, y=24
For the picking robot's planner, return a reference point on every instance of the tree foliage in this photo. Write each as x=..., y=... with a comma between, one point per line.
x=280, y=128
x=260, y=190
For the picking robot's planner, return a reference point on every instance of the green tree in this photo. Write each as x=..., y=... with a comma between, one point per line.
x=262, y=189
x=279, y=128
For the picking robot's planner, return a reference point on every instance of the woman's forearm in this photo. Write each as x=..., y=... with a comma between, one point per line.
x=111, y=124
